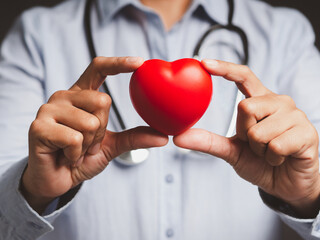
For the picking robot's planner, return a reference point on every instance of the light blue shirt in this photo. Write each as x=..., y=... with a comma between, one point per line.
x=173, y=195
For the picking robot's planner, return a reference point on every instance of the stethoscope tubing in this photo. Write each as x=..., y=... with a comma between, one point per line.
x=128, y=158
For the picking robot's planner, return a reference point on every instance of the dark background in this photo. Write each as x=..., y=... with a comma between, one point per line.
x=10, y=9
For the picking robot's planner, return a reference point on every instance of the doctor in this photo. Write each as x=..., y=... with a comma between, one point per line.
x=68, y=187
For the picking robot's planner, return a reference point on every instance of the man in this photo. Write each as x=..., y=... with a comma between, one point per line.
x=48, y=194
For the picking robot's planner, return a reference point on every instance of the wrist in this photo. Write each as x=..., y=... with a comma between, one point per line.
x=309, y=206
x=35, y=200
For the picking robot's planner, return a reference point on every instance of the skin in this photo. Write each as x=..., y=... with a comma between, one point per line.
x=68, y=140
x=63, y=152
x=169, y=11
x=275, y=147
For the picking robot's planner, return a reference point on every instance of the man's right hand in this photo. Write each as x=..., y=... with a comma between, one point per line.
x=68, y=141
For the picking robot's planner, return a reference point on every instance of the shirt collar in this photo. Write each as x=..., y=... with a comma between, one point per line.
x=216, y=9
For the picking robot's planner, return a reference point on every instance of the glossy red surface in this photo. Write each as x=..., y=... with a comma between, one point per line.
x=171, y=96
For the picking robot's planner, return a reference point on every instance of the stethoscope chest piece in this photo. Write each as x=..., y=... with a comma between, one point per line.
x=133, y=157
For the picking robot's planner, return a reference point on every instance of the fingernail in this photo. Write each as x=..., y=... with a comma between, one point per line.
x=94, y=149
x=210, y=62
x=134, y=59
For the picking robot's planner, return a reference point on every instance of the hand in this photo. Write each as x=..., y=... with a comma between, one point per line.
x=68, y=141
x=275, y=147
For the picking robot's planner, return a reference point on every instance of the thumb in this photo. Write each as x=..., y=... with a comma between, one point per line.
x=116, y=143
x=101, y=67
x=207, y=142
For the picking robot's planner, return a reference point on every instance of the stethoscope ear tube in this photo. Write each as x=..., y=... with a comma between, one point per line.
x=93, y=54
x=244, y=60
x=230, y=27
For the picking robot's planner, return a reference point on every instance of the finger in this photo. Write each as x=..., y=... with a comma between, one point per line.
x=100, y=67
x=245, y=79
x=96, y=103
x=114, y=144
x=253, y=110
x=294, y=142
x=207, y=142
x=56, y=136
x=86, y=123
x=88, y=100
x=260, y=134
x=99, y=105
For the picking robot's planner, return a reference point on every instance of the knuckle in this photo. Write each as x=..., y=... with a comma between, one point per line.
x=76, y=139
x=313, y=134
x=275, y=147
x=299, y=114
x=287, y=100
x=58, y=95
x=246, y=106
x=246, y=70
x=299, y=118
x=44, y=109
x=103, y=101
x=97, y=61
x=92, y=124
x=256, y=134
x=36, y=127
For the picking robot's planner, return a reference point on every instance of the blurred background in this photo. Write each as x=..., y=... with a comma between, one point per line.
x=10, y=9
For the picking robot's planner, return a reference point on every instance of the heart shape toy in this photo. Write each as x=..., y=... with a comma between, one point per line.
x=171, y=96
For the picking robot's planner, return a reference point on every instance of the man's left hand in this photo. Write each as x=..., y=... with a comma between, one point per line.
x=275, y=146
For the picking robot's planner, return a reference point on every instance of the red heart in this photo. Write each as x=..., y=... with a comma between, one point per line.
x=171, y=96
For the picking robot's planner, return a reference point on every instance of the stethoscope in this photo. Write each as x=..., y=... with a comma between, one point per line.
x=137, y=156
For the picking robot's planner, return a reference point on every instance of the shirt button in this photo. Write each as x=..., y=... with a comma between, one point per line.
x=169, y=178
x=170, y=233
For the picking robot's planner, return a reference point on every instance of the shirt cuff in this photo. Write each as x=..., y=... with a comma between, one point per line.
x=51, y=207
x=17, y=219
x=306, y=228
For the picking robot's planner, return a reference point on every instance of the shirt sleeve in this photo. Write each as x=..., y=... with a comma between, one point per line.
x=22, y=84
x=17, y=219
x=298, y=78
x=307, y=228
